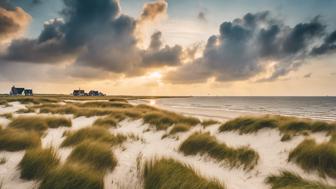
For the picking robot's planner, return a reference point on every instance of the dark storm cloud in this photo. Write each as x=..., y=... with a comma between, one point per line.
x=328, y=45
x=248, y=46
x=96, y=35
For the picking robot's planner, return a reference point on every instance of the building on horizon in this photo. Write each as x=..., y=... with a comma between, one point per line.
x=18, y=91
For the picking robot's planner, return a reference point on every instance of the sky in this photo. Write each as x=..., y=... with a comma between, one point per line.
x=170, y=47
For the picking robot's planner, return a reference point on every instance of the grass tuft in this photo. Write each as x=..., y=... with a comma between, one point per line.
x=7, y=115
x=97, y=155
x=16, y=140
x=169, y=173
x=106, y=122
x=71, y=176
x=288, y=180
x=311, y=156
x=204, y=143
x=209, y=122
x=179, y=128
x=37, y=162
x=95, y=133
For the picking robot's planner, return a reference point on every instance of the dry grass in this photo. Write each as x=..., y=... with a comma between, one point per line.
x=208, y=122
x=37, y=163
x=97, y=155
x=311, y=156
x=73, y=176
x=7, y=115
x=99, y=134
x=288, y=180
x=106, y=122
x=179, y=128
x=204, y=143
x=16, y=140
x=171, y=174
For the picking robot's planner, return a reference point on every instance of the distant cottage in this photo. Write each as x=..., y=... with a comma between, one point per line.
x=17, y=91
x=83, y=93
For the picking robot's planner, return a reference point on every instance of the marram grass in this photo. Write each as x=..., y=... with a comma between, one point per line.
x=37, y=162
x=289, y=180
x=93, y=133
x=204, y=143
x=171, y=174
x=209, y=122
x=106, y=122
x=73, y=176
x=179, y=128
x=97, y=155
x=311, y=156
x=16, y=140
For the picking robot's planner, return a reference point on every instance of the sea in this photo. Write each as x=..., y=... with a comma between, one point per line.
x=321, y=108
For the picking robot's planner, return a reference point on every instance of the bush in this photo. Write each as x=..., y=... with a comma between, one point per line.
x=16, y=140
x=73, y=176
x=315, y=157
x=201, y=143
x=95, y=133
x=288, y=180
x=169, y=173
x=179, y=128
x=97, y=155
x=37, y=162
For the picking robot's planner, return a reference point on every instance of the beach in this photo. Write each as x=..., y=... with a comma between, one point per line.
x=145, y=141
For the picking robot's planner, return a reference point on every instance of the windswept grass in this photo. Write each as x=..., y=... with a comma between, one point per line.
x=209, y=122
x=204, y=143
x=73, y=176
x=249, y=124
x=30, y=100
x=99, y=134
x=7, y=115
x=39, y=123
x=105, y=122
x=37, y=163
x=161, y=120
x=288, y=180
x=311, y=156
x=3, y=103
x=25, y=110
x=179, y=128
x=171, y=174
x=16, y=140
x=110, y=104
x=97, y=155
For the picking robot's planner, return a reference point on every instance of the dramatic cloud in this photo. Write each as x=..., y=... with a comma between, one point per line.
x=13, y=21
x=95, y=34
x=329, y=45
x=253, y=46
x=153, y=10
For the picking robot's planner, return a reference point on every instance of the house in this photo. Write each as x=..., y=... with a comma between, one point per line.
x=78, y=92
x=95, y=93
x=16, y=91
x=28, y=92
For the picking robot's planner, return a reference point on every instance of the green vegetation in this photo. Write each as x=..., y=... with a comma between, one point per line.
x=106, y=122
x=284, y=124
x=311, y=156
x=288, y=180
x=16, y=140
x=204, y=143
x=37, y=162
x=209, y=122
x=39, y=123
x=71, y=176
x=99, y=134
x=97, y=155
x=179, y=128
x=169, y=173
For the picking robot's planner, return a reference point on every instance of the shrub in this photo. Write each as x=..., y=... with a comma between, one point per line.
x=179, y=128
x=95, y=133
x=169, y=173
x=201, y=143
x=71, y=176
x=106, y=122
x=288, y=180
x=37, y=162
x=315, y=157
x=15, y=140
x=97, y=155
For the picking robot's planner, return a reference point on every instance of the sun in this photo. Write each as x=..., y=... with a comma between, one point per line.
x=155, y=75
